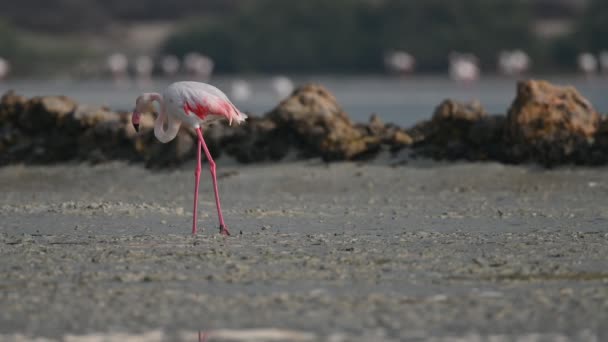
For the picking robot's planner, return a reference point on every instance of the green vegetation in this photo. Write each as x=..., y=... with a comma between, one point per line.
x=351, y=35
x=592, y=31
x=590, y=34
x=9, y=45
x=36, y=54
x=347, y=36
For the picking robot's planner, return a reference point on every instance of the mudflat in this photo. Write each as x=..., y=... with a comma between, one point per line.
x=342, y=251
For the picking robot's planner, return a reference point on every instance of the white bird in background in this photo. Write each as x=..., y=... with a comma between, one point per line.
x=199, y=66
x=513, y=63
x=463, y=67
x=118, y=63
x=587, y=63
x=282, y=86
x=4, y=68
x=240, y=90
x=196, y=105
x=603, y=57
x=399, y=62
x=144, y=65
x=170, y=65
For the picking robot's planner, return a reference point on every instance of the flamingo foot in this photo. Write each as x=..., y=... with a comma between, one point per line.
x=224, y=230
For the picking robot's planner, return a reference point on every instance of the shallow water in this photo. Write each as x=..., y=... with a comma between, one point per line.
x=402, y=101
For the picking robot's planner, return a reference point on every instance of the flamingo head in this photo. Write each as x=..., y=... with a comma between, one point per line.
x=141, y=104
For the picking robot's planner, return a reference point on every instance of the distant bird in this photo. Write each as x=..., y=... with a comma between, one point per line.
x=240, y=90
x=463, y=67
x=144, y=65
x=170, y=65
x=282, y=86
x=4, y=68
x=199, y=66
x=587, y=63
x=195, y=104
x=513, y=63
x=399, y=62
x=118, y=63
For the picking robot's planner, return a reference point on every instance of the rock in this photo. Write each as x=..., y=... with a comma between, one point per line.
x=456, y=131
x=12, y=139
x=599, y=151
x=388, y=134
x=546, y=123
x=34, y=129
x=601, y=136
x=13, y=143
x=456, y=112
x=11, y=105
x=46, y=112
x=485, y=138
x=258, y=140
x=312, y=116
x=453, y=120
x=89, y=116
x=549, y=123
x=376, y=126
x=401, y=138
x=173, y=153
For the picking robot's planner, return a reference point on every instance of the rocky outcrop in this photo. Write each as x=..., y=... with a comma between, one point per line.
x=459, y=131
x=546, y=124
x=549, y=124
x=309, y=122
x=313, y=120
x=598, y=154
x=390, y=135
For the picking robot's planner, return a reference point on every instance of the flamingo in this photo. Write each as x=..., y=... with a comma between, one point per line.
x=118, y=63
x=4, y=68
x=464, y=67
x=587, y=63
x=144, y=65
x=240, y=90
x=200, y=66
x=399, y=62
x=194, y=104
x=513, y=63
x=282, y=86
x=170, y=65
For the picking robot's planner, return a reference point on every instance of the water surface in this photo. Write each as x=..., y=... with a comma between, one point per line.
x=402, y=101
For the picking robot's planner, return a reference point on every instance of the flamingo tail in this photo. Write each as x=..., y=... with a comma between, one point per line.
x=237, y=116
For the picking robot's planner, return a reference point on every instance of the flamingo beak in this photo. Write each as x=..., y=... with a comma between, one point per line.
x=136, y=126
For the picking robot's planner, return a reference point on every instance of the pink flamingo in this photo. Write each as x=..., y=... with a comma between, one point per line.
x=195, y=104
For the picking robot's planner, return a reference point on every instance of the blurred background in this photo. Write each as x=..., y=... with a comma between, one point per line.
x=398, y=58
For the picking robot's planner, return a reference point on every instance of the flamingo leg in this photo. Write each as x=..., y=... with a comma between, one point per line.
x=223, y=228
x=197, y=178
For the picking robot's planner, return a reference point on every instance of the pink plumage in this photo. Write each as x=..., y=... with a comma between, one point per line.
x=194, y=104
x=205, y=101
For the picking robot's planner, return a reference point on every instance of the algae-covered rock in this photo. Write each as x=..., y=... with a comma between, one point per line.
x=312, y=115
x=549, y=123
x=459, y=131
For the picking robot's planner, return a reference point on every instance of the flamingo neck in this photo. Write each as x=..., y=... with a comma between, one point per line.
x=165, y=126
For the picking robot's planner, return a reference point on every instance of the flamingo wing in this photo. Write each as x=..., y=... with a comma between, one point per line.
x=204, y=100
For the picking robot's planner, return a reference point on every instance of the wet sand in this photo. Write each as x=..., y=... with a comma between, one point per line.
x=344, y=251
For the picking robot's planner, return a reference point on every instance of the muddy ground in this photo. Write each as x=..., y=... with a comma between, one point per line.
x=344, y=251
